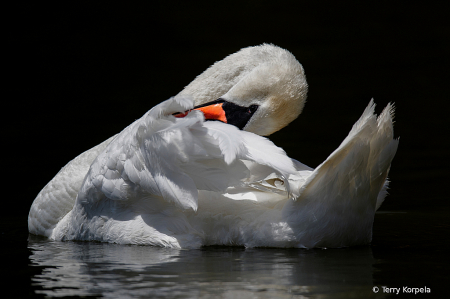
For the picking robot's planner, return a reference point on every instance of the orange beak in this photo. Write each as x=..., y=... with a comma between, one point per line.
x=214, y=111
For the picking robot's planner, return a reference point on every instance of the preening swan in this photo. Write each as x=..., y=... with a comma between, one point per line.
x=194, y=170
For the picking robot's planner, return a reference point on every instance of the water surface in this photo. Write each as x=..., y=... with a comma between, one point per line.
x=118, y=271
x=401, y=255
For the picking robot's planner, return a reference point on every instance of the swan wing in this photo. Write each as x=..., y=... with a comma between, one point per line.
x=160, y=156
x=57, y=198
x=143, y=185
x=341, y=194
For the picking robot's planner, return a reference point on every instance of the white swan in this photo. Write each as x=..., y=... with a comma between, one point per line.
x=173, y=179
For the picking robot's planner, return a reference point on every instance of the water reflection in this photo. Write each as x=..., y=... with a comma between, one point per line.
x=117, y=271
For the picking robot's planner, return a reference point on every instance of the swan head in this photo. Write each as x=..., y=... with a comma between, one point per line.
x=259, y=89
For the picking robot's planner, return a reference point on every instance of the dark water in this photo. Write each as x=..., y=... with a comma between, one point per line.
x=400, y=256
x=142, y=272
x=83, y=71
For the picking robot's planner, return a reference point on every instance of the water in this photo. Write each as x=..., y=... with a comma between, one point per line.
x=395, y=259
x=115, y=271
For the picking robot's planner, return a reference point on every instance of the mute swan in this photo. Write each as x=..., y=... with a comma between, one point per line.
x=174, y=179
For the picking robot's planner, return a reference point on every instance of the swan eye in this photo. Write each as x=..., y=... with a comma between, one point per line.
x=252, y=109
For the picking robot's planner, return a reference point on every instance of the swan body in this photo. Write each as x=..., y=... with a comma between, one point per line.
x=174, y=179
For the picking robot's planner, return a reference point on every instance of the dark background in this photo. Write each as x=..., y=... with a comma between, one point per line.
x=80, y=72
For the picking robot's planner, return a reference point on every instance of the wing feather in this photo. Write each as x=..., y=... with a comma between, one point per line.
x=160, y=156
